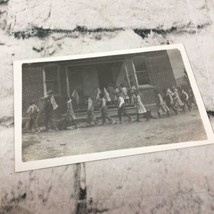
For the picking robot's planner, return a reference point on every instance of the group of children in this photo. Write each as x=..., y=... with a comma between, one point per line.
x=121, y=108
x=175, y=99
x=49, y=109
x=111, y=94
x=171, y=98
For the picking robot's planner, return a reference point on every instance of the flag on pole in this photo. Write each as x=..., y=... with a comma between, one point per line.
x=53, y=102
x=98, y=94
x=75, y=95
x=107, y=95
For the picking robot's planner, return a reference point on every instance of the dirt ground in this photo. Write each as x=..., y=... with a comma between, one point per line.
x=178, y=128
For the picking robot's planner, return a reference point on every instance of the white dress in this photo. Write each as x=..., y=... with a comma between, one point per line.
x=107, y=96
x=177, y=99
x=53, y=102
x=162, y=105
x=70, y=111
x=140, y=107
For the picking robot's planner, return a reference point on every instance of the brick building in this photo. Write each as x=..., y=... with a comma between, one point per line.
x=145, y=70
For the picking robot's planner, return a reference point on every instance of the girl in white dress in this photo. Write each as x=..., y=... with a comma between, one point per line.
x=141, y=110
x=91, y=115
x=70, y=113
x=177, y=99
x=161, y=105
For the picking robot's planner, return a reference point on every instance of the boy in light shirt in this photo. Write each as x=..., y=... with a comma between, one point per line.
x=124, y=94
x=33, y=114
x=104, y=110
x=121, y=108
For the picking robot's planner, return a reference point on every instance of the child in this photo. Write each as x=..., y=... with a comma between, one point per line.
x=177, y=100
x=52, y=99
x=70, y=113
x=185, y=99
x=122, y=109
x=91, y=115
x=124, y=93
x=49, y=114
x=50, y=108
x=170, y=101
x=104, y=110
x=110, y=90
x=116, y=91
x=161, y=105
x=140, y=107
x=33, y=114
x=107, y=96
x=132, y=93
x=191, y=98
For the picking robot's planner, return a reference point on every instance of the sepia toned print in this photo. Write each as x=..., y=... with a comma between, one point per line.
x=101, y=104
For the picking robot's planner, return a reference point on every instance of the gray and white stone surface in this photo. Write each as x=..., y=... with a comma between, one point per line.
x=177, y=181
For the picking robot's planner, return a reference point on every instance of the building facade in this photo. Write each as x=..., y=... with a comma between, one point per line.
x=145, y=70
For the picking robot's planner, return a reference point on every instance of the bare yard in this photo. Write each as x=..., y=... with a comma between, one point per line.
x=183, y=127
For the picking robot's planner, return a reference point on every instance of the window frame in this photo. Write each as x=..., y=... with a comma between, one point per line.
x=57, y=80
x=147, y=71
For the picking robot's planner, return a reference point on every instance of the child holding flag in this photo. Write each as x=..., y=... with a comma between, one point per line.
x=104, y=110
x=91, y=116
x=70, y=112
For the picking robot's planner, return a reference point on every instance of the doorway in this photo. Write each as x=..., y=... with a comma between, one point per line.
x=108, y=74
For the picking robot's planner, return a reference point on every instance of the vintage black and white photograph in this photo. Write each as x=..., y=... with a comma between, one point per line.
x=107, y=103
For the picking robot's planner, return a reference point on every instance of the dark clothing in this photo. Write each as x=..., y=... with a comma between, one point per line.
x=168, y=99
x=173, y=108
x=34, y=123
x=122, y=112
x=48, y=108
x=91, y=117
x=169, y=103
x=104, y=112
x=191, y=98
x=105, y=115
x=49, y=115
x=185, y=99
x=49, y=120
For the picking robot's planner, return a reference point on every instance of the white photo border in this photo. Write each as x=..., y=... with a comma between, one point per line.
x=39, y=164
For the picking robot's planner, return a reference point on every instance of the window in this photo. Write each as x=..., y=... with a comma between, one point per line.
x=52, y=79
x=141, y=70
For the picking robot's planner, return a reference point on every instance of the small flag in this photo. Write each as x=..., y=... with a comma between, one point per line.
x=98, y=94
x=75, y=95
x=107, y=95
x=53, y=102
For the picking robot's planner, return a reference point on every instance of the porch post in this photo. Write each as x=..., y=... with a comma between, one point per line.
x=59, y=82
x=67, y=82
x=127, y=75
x=44, y=83
x=135, y=75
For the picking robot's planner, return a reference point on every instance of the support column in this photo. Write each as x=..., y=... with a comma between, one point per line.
x=127, y=76
x=135, y=75
x=67, y=82
x=59, y=82
x=44, y=83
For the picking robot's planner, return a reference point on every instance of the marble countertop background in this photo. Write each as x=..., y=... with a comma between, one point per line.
x=177, y=181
